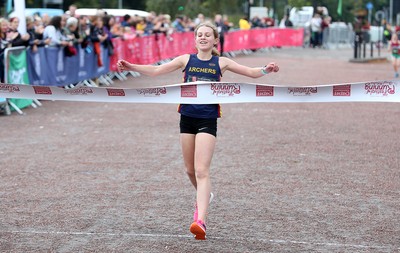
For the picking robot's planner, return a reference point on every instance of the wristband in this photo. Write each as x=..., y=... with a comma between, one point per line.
x=263, y=71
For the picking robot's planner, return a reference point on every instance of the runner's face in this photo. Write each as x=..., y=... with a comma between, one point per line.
x=205, y=39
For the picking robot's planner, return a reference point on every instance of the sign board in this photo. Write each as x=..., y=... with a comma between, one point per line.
x=261, y=12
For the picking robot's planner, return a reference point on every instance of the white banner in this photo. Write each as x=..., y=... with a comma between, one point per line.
x=214, y=93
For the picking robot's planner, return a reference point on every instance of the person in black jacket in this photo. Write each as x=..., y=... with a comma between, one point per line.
x=36, y=34
x=14, y=36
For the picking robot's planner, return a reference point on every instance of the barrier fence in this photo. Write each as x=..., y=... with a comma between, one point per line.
x=50, y=66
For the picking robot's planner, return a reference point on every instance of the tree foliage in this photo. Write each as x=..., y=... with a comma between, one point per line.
x=230, y=7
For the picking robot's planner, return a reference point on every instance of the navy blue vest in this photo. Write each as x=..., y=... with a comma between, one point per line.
x=198, y=70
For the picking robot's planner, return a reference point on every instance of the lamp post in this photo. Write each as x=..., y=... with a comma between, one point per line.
x=391, y=13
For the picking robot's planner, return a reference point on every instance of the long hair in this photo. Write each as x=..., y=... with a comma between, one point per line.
x=56, y=22
x=215, y=51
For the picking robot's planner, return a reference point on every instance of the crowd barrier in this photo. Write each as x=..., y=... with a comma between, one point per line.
x=50, y=66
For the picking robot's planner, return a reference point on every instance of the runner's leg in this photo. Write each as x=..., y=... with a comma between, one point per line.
x=188, y=145
x=204, y=149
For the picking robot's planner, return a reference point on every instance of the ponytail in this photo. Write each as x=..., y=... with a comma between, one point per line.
x=215, y=52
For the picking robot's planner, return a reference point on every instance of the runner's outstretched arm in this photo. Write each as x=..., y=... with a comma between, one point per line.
x=151, y=70
x=256, y=72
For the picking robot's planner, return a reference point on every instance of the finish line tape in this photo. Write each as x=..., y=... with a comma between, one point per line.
x=213, y=93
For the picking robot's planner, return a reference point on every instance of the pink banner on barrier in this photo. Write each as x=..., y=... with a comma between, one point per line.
x=261, y=38
x=154, y=48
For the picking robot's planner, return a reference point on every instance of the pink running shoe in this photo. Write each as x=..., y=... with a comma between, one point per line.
x=198, y=228
x=196, y=210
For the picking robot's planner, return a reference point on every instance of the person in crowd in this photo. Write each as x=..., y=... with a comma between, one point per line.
x=126, y=20
x=54, y=31
x=285, y=22
x=98, y=36
x=140, y=26
x=324, y=35
x=315, y=23
x=223, y=27
x=45, y=19
x=188, y=24
x=109, y=22
x=69, y=30
x=36, y=34
x=244, y=23
x=148, y=29
x=394, y=48
x=256, y=22
x=14, y=36
x=161, y=25
x=198, y=123
x=4, y=43
x=72, y=11
x=178, y=24
x=84, y=32
x=128, y=33
x=200, y=19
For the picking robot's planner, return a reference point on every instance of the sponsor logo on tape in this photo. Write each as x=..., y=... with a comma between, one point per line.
x=225, y=89
x=115, y=92
x=303, y=91
x=8, y=88
x=264, y=91
x=42, y=90
x=152, y=92
x=380, y=89
x=79, y=91
x=342, y=90
x=189, y=91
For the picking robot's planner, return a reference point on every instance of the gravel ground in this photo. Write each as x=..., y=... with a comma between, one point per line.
x=95, y=177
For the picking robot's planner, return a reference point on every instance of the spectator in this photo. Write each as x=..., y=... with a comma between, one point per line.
x=222, y=27
x=54, y=32
x=72, y=11
x=97, y=36
x=14, y=36
x=178, y=24
x=256, y=22
x=200, y=19
x=45, y=19
x=244, y=23
x=285, y=22
x=148, y=29
x=4, y=43
x=36, y=34
x=84, y=32
x=161, y=25
x=69, y=30
x=140, y=26
x=126, y=20
x=108, y=22
x=316, y=22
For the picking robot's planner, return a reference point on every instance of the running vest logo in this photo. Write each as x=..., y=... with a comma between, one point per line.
x=380, y=89
x=152, y=92
x=303, y=91
x=211, y=64
x=189, y=91
x=342, y=90
x=202, y=70
x=41, y=90
x=225, y=90
x=264, y=91
x=79, y=91
x=115, y=92
x=8, y=88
